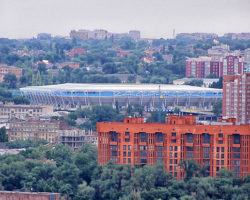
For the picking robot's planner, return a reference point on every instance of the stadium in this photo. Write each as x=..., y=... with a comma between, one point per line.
x=71, y=95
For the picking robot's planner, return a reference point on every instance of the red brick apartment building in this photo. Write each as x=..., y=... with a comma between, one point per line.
x=236, y=98
x=16, y=195
x=224, y=145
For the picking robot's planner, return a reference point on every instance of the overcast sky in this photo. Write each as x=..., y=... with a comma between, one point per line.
x=154, y=18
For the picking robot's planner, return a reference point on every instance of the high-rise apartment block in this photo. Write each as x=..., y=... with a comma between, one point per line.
x=101, y=34
x=134, y=34
x=219, y=61
x=236, y=97
x=133, y=142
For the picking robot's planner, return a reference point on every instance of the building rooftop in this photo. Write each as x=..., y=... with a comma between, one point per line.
x=119, y=87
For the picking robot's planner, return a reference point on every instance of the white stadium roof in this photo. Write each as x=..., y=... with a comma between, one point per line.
x=119, y=87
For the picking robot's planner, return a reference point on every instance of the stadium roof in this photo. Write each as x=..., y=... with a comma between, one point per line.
x=119, y=87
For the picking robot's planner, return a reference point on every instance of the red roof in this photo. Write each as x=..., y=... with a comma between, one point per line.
x=78, y=51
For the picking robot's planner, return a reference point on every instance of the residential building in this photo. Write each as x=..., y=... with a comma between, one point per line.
x=73, y=65
x=81, y=34
x=21, y=111
x=198, y=67
x=205, y=65
x=76, y=51
x=5, y=69
x=246, y=64
x=134, y=34
x=98, y=34
x=214, y=147
x=75, y=137
x=53, y=131
x=236, y=97
x=196, y=36
x=16, y=195
x=237, y=36
x=44, y=36
x=34, y=129
x=218, y=51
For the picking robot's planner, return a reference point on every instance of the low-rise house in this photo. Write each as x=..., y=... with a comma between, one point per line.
x=76, y=51
x=5, y=69
x=73, y=65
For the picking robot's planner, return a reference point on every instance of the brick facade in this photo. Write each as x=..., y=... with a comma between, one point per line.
x=212, y=146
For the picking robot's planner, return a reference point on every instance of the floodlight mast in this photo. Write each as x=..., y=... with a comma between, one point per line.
x=159, y=105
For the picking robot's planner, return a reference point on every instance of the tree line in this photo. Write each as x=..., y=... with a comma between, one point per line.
x=76, y=176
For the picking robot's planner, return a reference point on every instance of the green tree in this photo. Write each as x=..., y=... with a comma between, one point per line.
x=84, y=192
x=10, y=80
x=190, y=167
x=3, y=135
x=217, y=108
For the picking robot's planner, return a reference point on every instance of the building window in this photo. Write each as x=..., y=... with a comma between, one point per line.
x=143, y=160
x=189, y=155
x=124, y=160
x=190, y=138
x=170, y=161
x=127, y=133
x=206, y=138
x=159, y=137
x=206, y=148
x=236, y=149
x=217, y=162
x=159, y=154
x=175, y=148
x=173, y=141
x=220, y=141
x=236, y=168
x=236, y=139
x=236, y=155
x=220, y=135
x=170, y=168
x=129, y=160
x=113, y=153
x=189, y=148
x=143, y=153
x=218, y=149
x=143, y=147
x=173, y=134
x=143, y=137
x=129, y=154
x=124, y=154
x=159, y=148
x=124, y=147
x=170, y=148
x=113, y=136
x=127, y=140
x=236, y=162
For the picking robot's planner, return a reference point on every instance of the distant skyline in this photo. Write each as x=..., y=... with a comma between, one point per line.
x=154, y=18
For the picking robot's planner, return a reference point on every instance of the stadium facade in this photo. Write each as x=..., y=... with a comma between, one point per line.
x=71, y=95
